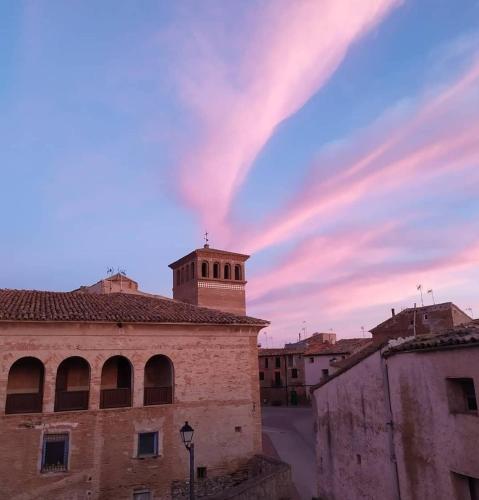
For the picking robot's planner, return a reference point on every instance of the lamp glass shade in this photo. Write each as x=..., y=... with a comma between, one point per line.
x=187, y=433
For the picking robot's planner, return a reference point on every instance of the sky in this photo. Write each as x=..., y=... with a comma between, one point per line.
x=335, y=141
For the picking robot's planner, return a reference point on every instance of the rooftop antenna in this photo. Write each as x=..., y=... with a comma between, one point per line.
x=121, y=272
x=109, y=271
x=419, y=287
x=362, y=330
x=206, y=245
x=266, y=338
x=470, y=310
x=431, y=291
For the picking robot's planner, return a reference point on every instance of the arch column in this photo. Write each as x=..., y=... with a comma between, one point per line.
x=138, y=374
x=95, y=385
x=49, y=383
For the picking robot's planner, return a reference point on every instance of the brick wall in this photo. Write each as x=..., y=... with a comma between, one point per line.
x=216, y=389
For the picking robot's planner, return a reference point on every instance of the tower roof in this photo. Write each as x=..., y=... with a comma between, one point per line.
x=207, y=252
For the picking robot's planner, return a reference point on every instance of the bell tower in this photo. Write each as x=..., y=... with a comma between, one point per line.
x=212, y=278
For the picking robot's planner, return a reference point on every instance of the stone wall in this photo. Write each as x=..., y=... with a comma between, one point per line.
x=215, y=389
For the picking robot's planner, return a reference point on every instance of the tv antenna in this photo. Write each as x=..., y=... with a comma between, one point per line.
x=110, y=271
x=470, y=310
x=431, y=291
x=362, y=330
x=419, y=287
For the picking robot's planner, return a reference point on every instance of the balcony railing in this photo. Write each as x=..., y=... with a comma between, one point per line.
x=115, y=398
x=158, y=396
x=24, y=403
x=71, y=400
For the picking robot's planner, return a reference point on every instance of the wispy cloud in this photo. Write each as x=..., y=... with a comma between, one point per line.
x=292, y=51
x=441, y=136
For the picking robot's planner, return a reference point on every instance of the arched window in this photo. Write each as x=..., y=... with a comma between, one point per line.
x=116, y=383
x=192, y=269
x=216, y=270
x=158, y=381
x=204, y=269
x=238, y=272
x=72, y=388
x=25, y=386
x=227, y=272
x=178, y=277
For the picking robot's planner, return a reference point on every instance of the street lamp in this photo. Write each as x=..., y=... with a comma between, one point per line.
x=187, y=437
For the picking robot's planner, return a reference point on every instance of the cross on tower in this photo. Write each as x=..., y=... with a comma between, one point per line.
x=206, y=238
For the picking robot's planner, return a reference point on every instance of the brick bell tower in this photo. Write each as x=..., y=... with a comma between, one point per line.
x=212, y=278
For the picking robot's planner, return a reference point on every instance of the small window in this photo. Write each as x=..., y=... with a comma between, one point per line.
x=216, y=270
x=204, y=270
x=462, y=395
x=142, y=495
x=201, y=472
x=237, y=272
x=277, y=379
x=227, y=272
x=266, y=362
x=55, y=453
x=294, y=373
x=425, y=316
x=277, y=362
x=147, y=444
x=311, y=360
x=325, y=373
x=466, y=486
x=238, y=428
x=261, y=375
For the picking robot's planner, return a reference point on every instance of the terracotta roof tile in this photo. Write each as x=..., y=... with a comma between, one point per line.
x=32, y=305
x=342, y=346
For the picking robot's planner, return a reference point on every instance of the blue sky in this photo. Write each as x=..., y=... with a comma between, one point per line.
x=128, y=129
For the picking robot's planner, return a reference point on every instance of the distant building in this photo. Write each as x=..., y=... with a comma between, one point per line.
x=281, y=377
x=399, y=420
x=421, y=321
x=96, y=383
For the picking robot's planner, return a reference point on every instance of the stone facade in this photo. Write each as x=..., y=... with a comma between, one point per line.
x=402, y=422
x=215, y=389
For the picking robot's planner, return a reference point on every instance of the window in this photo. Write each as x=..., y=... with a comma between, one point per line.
x=325, y=373
x=147, y=444
x=294, y=373
x=227, y=272
x=277, y=362
x=466, y=487
x=55, y=453
x=192, y=270
x=277, y=378
x=261, y=375
x=462, y=395
x=238, y=428
x=311, y=360
x=216, y=270
x=425, y=316
x=142, y=495
x=201, y=472
x=237, y=272
x=266, y=362
x=204, y=270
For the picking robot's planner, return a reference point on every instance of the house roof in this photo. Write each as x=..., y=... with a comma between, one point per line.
x=33, y=305
x=278, y=352
x=424, y=309
x=342, y=346
x=461, y=336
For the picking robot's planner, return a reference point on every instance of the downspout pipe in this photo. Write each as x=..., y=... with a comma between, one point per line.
x=390, y=428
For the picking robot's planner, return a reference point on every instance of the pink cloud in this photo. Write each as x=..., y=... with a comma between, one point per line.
x=291, y=53
x=440, y=138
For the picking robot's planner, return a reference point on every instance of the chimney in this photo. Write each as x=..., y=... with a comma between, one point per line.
x=393, y=312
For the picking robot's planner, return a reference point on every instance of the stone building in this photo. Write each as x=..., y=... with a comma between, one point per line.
x=281, y=377
x=96, y=383
x=420, y=321
x=399, y=420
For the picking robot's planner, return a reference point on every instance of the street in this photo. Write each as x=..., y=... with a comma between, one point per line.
x=290, y=432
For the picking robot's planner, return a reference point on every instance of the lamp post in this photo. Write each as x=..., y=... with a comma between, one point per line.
x=187, y=437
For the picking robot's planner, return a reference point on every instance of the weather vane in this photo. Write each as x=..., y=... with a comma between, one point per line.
x=206, y=239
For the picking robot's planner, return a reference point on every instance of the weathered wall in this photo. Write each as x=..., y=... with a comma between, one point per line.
x=313, y=370
x=352, y=450
x=431, y=442
x=216, y=389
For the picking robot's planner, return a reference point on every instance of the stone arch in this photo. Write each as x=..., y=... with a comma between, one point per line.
x=227, y=272
x=159, y=380
x=116, y=382
x=205, y=272
x=216, y=270
x=238, y=273
x=72, y=384
x=25, y=386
